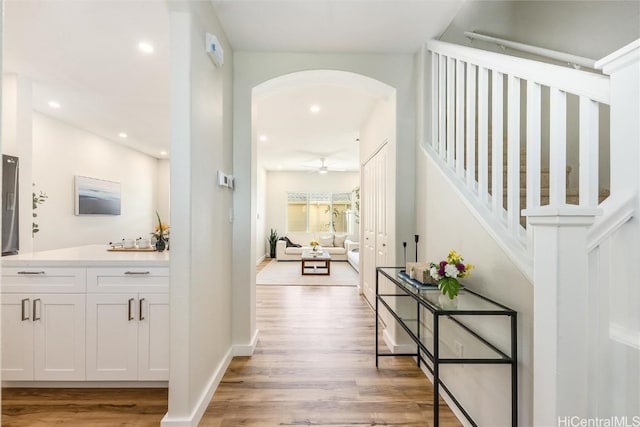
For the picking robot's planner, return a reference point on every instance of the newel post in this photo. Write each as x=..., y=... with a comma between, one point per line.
x=623, y=68
x=560, y=336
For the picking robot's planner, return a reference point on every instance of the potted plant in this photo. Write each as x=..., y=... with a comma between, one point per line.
x=273, y=241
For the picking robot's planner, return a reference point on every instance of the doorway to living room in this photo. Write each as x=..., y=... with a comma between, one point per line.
x=312, y=130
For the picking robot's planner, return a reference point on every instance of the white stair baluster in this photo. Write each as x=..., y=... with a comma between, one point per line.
x=558, y=148
x=483, y=130
x=534, y=157
x=497, y=143
x=513, y=153
x=589, y=153
x=442, y=107
x=460, y=85
x=451, y=96
x=471, y=126
x=435, y=118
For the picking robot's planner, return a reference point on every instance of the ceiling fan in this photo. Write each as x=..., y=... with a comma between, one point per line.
x=323, y=168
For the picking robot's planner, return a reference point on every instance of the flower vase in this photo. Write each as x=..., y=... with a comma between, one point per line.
x=160, y=244
x=447, y=303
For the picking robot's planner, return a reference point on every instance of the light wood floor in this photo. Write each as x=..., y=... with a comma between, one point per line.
x=314, y=366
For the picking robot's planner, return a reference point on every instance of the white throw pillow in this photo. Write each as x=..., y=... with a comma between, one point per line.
x=326, y=241
x=338, y=241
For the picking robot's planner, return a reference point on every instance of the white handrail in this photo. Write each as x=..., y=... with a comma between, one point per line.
x=574, y=60
x=617, y=210
x=581, y=83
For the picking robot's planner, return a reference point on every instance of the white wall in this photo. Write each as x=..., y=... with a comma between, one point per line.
x=447, y=224
x=60, y=152
x=280, y=183
x=201, y=97
x=262, y=230
x=252, y=69
x=378, y=128
x=592, y=29
x=163, y=189
x=17, y=141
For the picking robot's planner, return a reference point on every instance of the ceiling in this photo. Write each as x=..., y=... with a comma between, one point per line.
x=84, y=55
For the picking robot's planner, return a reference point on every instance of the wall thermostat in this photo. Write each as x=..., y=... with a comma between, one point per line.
x=225, y=180
x=214, y=49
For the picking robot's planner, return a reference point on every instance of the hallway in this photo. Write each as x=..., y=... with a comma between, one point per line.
x=314, y=366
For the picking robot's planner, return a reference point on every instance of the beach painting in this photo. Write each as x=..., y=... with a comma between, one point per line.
x=96, y=196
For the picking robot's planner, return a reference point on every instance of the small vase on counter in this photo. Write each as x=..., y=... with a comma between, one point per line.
x=160, y=244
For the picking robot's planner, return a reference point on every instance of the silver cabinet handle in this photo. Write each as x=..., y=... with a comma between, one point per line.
x=130, y=310
x=35, y=305
x=137, y=272
x=140, y=316
x=31, y=272
x=25, y=313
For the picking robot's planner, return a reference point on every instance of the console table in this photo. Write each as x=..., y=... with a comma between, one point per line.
x=430, y=349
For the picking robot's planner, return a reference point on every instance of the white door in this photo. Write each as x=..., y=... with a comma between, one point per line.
x=153, y=337
x=381, y=179
x=17, y=337
x=368, y=255
x=59, y=336
x=112, y=337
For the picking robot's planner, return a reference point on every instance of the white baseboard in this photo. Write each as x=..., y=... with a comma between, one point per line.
x=262, y=258
x=85, y=384
x=203, y=401
x=246, y=349
x=445, y=396
x=397, y=348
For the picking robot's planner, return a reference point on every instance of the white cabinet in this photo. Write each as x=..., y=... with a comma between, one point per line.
x=17, y=338
x=43, y=337
x=128, y=324
x=43, y=328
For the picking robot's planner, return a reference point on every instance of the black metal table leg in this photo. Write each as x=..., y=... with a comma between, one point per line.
x=436, y=376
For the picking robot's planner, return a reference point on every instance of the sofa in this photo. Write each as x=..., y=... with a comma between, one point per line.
x=353, y=257
x=336, y=244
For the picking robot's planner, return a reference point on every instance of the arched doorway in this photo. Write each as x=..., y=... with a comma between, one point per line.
x=382, y=130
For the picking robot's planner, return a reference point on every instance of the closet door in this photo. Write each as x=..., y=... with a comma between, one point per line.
x=381, y=212
x=375, y=220
x=368, y=254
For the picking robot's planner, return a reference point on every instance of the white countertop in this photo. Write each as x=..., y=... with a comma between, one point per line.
x=86, y=256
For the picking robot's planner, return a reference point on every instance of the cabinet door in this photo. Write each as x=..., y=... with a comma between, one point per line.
x=17, y=337
x=153, y=337
x=112, y=337
x=59, y=336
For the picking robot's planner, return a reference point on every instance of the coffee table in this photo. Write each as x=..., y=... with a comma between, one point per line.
x=315, y=263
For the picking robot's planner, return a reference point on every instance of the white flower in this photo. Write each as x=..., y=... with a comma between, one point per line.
x=451, y=270
x=434, y=273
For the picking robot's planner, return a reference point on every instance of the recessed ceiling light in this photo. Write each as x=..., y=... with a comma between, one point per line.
x=315, y=108
x=279, y=167
x=163, y=153
x=263, y=138
x=145, y=47
x=123, y=135
x=54, y=104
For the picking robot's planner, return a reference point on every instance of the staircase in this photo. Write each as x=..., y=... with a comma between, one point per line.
x=578, y=243
x=572, y=194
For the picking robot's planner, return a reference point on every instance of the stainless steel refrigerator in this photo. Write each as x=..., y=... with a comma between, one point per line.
x=10, y=241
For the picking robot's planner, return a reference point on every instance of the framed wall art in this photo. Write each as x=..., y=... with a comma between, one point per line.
x=96, y=196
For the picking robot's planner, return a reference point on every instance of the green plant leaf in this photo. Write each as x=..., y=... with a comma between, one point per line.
x=449, y=286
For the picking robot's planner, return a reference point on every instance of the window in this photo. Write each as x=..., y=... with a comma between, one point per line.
x=318, y=211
